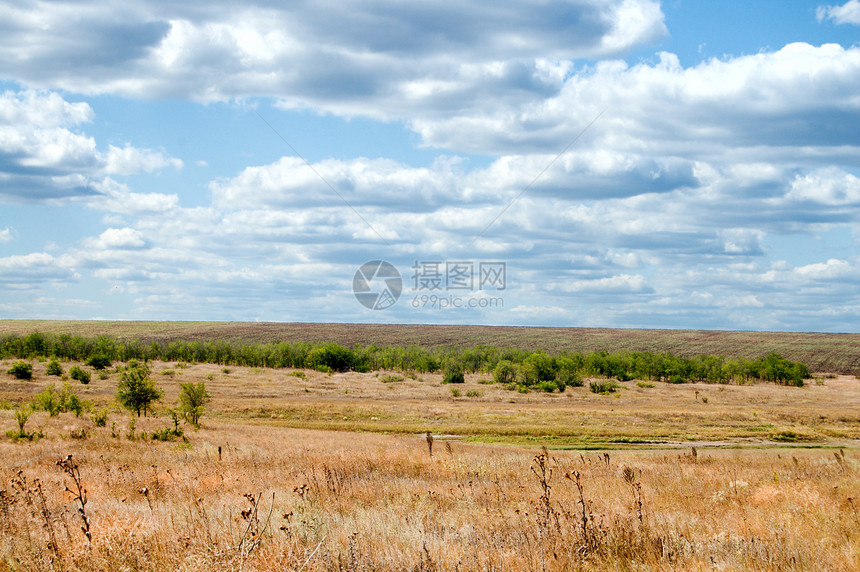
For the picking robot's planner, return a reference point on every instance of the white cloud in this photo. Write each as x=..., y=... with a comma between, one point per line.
x=420, y=55
x=23, y=271
x=43, y=158
x=848, y=13
x=6, y=235
x=799, y=95
x=829, y=186
x=129, y=160
x=118, y=238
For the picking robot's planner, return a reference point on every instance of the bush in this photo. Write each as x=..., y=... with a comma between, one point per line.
x=505, y=372
x=54, y=368
x=55, y=402
x=453, y=374
x=549, y=386
x=79, y=374
x=603, y=387
x=331, y=357
x=541, y=365
x=192, y=400
x=22, y=414
x=21, y=370
x=135, y=390
x=99, y=361
x=168, y=434
x=644, y=384
x=568, y=377
x=528, y=375
x=100, y=417
x=48, y=401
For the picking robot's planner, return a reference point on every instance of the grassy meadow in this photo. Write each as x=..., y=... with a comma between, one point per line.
x=297, y=469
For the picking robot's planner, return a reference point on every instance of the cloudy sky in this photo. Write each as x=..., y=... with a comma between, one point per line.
x=631, y=163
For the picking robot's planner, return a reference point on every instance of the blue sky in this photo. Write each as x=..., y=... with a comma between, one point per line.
x=632, y=163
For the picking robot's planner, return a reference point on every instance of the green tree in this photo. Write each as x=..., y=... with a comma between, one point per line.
x=192, y=400
x=136, y=391
x=505, y=372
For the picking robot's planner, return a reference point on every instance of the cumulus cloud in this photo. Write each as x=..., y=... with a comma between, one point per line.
x=19, y=271
x=43, y=157
x=424, y=54
x=6, y=235
x=848, y=13
x=799, y=95
x=117, y=238
x=664, y=212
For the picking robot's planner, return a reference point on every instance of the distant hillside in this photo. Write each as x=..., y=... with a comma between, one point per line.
x=837, y=353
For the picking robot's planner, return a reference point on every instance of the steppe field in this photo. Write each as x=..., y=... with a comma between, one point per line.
x=296, y=469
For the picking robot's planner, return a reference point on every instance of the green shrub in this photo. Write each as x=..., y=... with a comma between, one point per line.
x=453, y=373
x=21, y=370
x=568, y=377
x=332, y=357
x=542, y=366
x=603, y=386
x=22, y=415
x=527, y=375
x=390, y=378
x=505, y=372
x=644, y=384
x=455, y=392
x=192, y=401
x=100, y=417
x=99, y=361
x=168, y=434
x=54, y=368
x=79, y=374
x=55, y=402
x=48, y=401
x=473, y=393
x=549, y=386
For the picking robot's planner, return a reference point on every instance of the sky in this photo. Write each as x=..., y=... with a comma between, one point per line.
x=593, y=163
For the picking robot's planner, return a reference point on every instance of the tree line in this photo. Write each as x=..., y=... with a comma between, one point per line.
x=528, y=368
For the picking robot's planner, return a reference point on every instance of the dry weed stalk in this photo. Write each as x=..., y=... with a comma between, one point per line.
x=71, y=468
x=636, y=488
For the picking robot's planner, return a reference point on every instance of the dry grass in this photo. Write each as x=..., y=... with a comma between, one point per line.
x=333, y=501
x=633, y=416
x=820, y=351
x=263, y=487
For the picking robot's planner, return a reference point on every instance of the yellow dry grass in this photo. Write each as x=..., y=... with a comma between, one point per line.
x=336, y=500
x=359, y=499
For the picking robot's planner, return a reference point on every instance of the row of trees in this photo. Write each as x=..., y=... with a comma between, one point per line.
x=532, y=367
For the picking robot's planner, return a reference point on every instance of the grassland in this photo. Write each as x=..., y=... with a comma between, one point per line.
x=303, y=470
x=239, y=496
